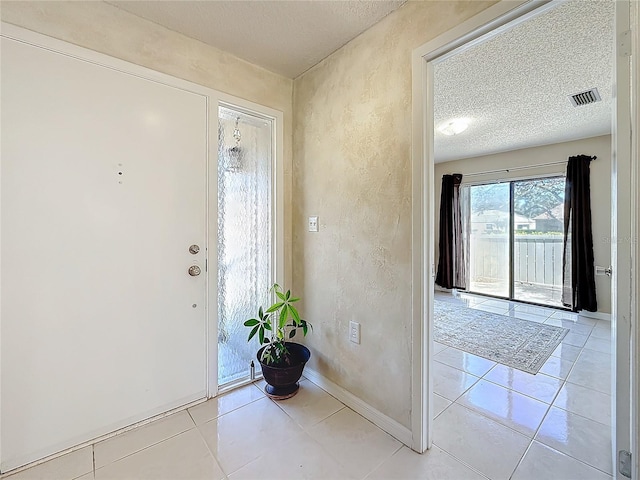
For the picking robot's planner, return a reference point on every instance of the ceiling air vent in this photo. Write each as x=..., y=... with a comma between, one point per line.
x=584, y=98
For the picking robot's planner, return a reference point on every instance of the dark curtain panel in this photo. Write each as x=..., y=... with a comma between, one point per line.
x=459, y=264
x=578, y=270
x=451, y=253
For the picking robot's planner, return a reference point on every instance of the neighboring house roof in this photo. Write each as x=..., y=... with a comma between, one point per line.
x=557, y=212
x=490, y=216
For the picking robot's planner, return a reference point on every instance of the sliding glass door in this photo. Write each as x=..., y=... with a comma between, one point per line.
x=515, y=239
x=489, y=232
x=538, y=223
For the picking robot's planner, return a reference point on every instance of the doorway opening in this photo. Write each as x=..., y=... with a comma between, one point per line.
x=500, y=18
x=514, y=236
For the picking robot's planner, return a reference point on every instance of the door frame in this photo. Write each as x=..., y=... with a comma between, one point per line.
x=495, y=19
x=634, y=107
x=277, y=216
x=625, y=235
x=214, y=98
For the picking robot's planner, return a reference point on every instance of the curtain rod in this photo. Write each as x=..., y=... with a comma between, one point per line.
x=517, y=168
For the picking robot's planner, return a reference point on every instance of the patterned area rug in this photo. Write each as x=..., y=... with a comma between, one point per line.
x=510, y=341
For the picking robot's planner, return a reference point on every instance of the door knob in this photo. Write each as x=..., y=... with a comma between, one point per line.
x=194, y=270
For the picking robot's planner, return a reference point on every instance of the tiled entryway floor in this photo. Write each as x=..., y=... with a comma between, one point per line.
x=506, y=423
x=490, y=422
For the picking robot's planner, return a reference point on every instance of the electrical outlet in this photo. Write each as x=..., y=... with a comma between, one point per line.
x=313, y=224
x=354, y=332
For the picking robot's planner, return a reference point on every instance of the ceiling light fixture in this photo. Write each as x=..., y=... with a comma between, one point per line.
x=454, y=127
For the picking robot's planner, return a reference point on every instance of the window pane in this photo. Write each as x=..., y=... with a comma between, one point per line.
x=538, y=225
x=489, y=239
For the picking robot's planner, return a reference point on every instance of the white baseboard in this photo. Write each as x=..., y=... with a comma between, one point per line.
x=376, y=417
x=595, y=315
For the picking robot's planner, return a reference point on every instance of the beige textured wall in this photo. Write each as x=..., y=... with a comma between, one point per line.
x=600, y=188
x=352, y=168
x=104, y=28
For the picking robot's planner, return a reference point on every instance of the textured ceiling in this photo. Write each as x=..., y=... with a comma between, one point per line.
x=514, y=87
x=286, y=37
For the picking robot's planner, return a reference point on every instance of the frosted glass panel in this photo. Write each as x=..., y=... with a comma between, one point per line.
x=244, y=236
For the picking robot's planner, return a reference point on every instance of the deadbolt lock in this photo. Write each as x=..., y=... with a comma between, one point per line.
x=194, y=270
x=193, y=249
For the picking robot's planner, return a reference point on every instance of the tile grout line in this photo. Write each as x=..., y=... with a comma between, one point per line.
x=216, y=459
x=566, y=455
x=244, y=405
x=531, y=439
x=526, y=450
x=191, y=416
x=304, y=430
x=147, y=446
x=377, y=466
x=498, y=384
x=563, y=382
x=491, y=419
x=552, y=405
x=462, y=462
x=225, y=413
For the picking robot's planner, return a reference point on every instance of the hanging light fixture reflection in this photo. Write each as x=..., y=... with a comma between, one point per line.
x=235, y=154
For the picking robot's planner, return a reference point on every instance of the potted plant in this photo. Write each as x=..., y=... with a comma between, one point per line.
x=282, y=361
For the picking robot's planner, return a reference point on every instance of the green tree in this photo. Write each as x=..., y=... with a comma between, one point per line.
x=536, y=197
x=531, y=197
x=493, y=196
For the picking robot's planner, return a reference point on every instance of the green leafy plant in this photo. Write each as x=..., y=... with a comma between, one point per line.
x=277, y=324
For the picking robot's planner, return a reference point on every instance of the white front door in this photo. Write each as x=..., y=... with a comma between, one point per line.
x=103, y=191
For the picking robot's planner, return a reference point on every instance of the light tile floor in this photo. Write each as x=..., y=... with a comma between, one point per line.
x=552, y=425
x=491, y=422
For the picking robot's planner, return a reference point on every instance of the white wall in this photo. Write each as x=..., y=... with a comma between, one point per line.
x=107, y=29
x=367, y=84
x=600, y=188
x=352, y=163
